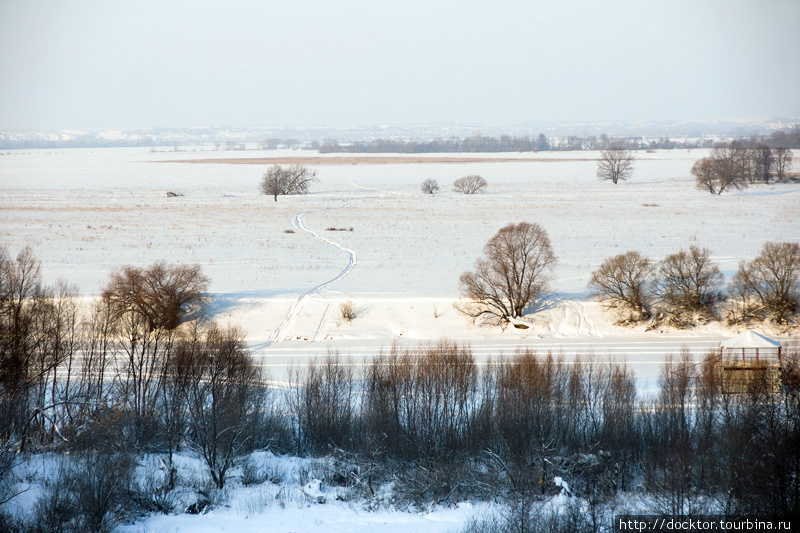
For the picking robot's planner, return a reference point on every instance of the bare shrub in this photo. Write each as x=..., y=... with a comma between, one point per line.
x=430, y=186
x=623, y=282
x=530, y=405
x=689, y=283
x=56, y=508
x=616, y=164
x=770, y=284
x=422, y=402
x=100, y=484
x=295, y=179
x=515, y=270
x=348, y=310
x=469, y=184
x=323, y=400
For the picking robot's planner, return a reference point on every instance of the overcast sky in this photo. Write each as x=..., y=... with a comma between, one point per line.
x=129, y=64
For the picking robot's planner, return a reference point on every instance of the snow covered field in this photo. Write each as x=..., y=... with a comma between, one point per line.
x=397, y=254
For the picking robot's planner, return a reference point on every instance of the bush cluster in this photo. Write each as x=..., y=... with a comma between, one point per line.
x=687, y=286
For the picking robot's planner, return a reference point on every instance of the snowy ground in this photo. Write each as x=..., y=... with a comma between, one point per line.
x=397, y=254
x=278, y=273
x=293, y=500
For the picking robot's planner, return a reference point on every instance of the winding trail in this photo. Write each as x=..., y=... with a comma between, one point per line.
x=298, y=221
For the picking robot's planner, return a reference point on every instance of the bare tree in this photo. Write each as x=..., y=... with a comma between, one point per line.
x=469, y=184
x=770, y=282
x=783, y=162
x=146, y=307
x=623, y=282
x=161, y=294
x=725, y=168
x=515, y=271
x=429, y=186
x=295, y=179
x=689, y=282
x=224, y=395
x=616, y=164
x=762, y=162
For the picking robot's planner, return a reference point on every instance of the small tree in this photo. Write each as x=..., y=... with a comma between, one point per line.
x=689, y=282
x=515, y=270
x=293, y=180
x=623, y=282
x=616, y=164
x=429, y=186
x=770, y=282
x=469, y=184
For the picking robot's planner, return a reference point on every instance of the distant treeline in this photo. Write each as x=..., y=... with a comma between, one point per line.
x=83, y=141
x=787, y=138
x=541, y=143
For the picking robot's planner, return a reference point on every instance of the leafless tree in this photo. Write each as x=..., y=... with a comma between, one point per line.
x=469, y=184
x=771, y=282
x=616, y=164
x=295, y=179
x=724, y=169
x=429, y=186
x=224, y=395
x=162, y=295
x=783, y=162
x=689, y=282
x=623, y=282
x=34, y=335
x=97, y=357
x=515, y=270
x=762, y=163
x=146, y=307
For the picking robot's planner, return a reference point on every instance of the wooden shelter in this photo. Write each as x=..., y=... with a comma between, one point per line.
x=748, y=358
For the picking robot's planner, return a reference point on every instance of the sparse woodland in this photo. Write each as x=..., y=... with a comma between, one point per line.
x=737, y=165
x=139, y=372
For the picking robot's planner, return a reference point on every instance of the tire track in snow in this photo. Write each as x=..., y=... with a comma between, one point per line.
x=327, y=315
x=570, y=320
x=376, y=190
x=298, y=221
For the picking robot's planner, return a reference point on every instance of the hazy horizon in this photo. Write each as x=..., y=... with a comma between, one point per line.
x=98, y=64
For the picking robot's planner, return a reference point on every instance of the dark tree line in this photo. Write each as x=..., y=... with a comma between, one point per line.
x=789, y=139
x=447, y=429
